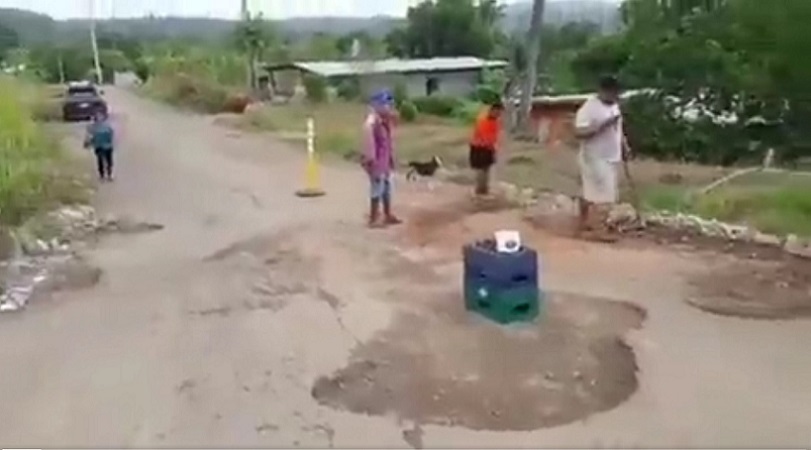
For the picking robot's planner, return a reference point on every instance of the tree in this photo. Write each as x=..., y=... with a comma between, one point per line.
x=447, y=28
x=727, y=78
x=9, y=39
x=321, y=46
x=531, y=74
x=370, y=47
x=252, y=37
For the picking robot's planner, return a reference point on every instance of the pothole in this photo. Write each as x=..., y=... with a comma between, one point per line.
x=448, y=368
x=756, y=290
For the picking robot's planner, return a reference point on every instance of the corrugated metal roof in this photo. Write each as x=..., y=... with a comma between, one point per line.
x=347, y=68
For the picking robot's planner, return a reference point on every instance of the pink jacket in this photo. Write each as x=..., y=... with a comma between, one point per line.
x=378, y=151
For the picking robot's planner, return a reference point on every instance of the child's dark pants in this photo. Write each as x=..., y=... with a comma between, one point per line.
x=104, y=162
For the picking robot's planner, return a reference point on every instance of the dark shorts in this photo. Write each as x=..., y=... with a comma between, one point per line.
x=481, y=158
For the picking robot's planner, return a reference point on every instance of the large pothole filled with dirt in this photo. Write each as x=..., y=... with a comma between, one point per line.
x=448, y=367
x=756, y=290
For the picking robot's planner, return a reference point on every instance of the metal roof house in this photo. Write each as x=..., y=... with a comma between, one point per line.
x=446, y=76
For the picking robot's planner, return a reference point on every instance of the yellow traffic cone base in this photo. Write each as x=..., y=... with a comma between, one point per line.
x=311, y=181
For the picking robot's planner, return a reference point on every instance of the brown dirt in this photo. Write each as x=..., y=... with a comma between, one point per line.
x=449, y=368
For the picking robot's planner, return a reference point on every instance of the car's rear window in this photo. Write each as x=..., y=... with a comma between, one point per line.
x=82, y=91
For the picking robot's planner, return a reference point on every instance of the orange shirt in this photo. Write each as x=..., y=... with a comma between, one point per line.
x=486, y=132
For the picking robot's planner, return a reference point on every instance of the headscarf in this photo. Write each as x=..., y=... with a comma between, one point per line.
x=381, y=99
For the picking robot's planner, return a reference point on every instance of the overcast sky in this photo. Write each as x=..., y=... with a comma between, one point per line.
x=215, y=8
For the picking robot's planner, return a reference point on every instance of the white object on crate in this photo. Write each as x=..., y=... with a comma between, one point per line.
x=508, y=241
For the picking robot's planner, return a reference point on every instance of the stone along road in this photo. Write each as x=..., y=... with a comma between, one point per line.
x=220, y=329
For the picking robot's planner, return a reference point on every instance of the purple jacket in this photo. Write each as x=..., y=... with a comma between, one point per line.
x=378, y=151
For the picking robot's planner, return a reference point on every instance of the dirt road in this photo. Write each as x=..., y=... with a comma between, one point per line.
x=214, y=330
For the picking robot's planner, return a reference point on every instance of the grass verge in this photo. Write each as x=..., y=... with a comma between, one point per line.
x=35, y=174
x=773, y=204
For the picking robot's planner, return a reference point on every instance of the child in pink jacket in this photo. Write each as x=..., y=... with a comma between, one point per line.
x=378, y=158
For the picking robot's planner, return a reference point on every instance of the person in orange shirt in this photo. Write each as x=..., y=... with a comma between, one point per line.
x=483, y=145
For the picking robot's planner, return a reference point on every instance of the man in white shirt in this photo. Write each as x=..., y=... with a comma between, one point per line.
x=603, y=147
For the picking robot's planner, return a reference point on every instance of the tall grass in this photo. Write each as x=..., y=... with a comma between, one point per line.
x=210, y=82
x=31, y=163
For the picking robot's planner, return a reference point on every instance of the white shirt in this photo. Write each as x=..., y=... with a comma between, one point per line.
x=606, y=144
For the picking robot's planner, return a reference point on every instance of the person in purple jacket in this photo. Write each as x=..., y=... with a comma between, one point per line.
x=378, y=158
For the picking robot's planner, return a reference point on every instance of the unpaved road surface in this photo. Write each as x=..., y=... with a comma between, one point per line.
x=253, y=318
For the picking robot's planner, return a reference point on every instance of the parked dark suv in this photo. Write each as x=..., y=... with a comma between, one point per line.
x=82, y=101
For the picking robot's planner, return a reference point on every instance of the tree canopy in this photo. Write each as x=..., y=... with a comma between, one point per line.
x=736, y=67
x=447, y=28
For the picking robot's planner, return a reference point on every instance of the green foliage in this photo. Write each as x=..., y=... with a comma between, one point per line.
x=29, y=180
x=320, y=47
x=142, y=70
x=447, y=28
x=779, y=208
x=254, y=36
x=487, y=94
x=316, y=88
x=400, y=93
x=437, y=105
x=467, y=112
x=370, y=47
x=408, y=111
x=708, y=58
x=9, y=39
x=349, y=89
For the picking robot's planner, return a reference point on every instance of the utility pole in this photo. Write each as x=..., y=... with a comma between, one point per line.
x=533, y=50
x=251, y=51
x=94, y=43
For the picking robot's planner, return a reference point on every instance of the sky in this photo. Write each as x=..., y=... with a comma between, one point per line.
x=61, y=9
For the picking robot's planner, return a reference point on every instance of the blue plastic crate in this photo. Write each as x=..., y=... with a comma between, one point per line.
x=502, y=286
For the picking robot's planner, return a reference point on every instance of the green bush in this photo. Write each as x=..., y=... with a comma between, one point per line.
x=408, y=111
x=437, y=105
x=400, y=94
x=142, y=71
x=487, y=94
x=467, y=112
x=349, y=89
x=315, y=88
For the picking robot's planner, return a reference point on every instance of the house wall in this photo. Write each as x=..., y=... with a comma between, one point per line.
x=448, y=83
x=460, y=83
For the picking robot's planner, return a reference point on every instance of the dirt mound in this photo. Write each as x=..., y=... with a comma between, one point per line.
x=449, y=368
x=756, y=290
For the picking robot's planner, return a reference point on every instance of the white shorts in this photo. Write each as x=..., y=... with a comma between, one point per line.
x=599, y=177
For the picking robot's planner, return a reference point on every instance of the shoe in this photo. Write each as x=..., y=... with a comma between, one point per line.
x=392, y=220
